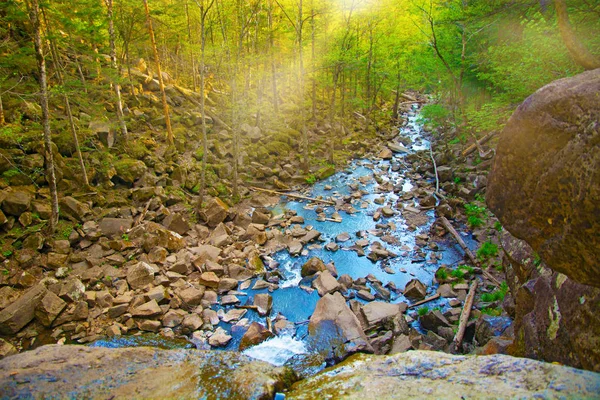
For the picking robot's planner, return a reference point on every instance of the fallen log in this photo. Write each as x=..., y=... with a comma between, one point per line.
x=427, y=300
x=464, y=316
x=293, y=196
x=478, y=143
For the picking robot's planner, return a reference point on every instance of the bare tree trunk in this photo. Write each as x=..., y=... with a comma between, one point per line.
x=581, y=55
x=2, y=120
x=272, y=55
x=113, y=64
x=313, y=62
x=34, y=11
x=61, y=81
x=192, y=57
x=301, y=84
x=160, y=78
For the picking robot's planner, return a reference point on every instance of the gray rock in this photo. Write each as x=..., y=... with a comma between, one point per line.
x=263, y=302
x=312, y=266
x=415, y=290
x=140, y=372
x=177, y=223
x=73, y=208
x=22, y=311
x=333, y=327
x=115, y=226
x=49, y=308
x=140, y=275
x=426, y=374
x=377, y=312
x=215, y=212
x=325, y=283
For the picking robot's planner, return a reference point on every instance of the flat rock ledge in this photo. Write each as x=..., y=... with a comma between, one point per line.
x=426, y=374
x=61, y=372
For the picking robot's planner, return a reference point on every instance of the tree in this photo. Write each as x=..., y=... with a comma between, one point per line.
x=34, y=18
x=579, y=52
x=160, y=77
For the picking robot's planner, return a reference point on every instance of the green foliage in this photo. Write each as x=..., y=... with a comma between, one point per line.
x=487, y=250
x=7, y=253
x=311, y=179
x=498, y=226
x=496, y=295
x=422, y=311
x=494, y=312
x=457, y=273
x=476, y=215
x=442, y=274
x=537, y=260
x=435, y=115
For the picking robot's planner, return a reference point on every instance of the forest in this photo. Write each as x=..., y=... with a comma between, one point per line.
x=315, y=74
x=297, y=181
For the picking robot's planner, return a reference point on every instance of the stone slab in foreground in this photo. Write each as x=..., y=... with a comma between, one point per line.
x=57, y=372
x=426, y=374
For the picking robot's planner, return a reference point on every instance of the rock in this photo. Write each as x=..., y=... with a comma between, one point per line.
x=426, y=374
x=118, y=310
x=16, y=203
x=128, y=170
x=325, y=283
x=191, y=323
x=377, y=312
x=365, y=295
x=227, y=284
x=387, y=212
x=385, y=154
x=489, y=326
x=209, y=279
x=6, y=349
x=325, y=172
x=401, y=344
x=49, y=308
x=115, y=226
x=149, y=325
x=140, y=275
x=397, y=148
x=433, y=320
x=142, y=372
x=191, y=296
x=219, y=339
x=7, y=296
x=556, y=318
x=332, y=246
x=234, y=315
x=415, y=290
x=229, y=299
x=342, y=237
x=173, y=318
x=149, y=309
x=544, y=186
x=260, y=218
x=263, y=302
x=255, y=334
x=177, y=223
x=333, y=327
x=295, y=247
x=215, y=212
x=72, y=208
x=312, y=266
x=22, y=311
x=113, y=330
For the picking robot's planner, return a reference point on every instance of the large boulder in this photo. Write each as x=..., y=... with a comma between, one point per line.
x=16, y=203
x=56, y=371
x=334, y=328
x=215, y=212
x=436, y=375
x=556, y=318
x=544, y=185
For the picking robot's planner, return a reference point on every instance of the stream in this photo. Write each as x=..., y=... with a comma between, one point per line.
x=295, y=301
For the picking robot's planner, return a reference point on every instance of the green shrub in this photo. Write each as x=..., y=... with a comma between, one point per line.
x=487, y=250
x=422, y=311
x=441, y=274
x=435, y=115
x=476, y=214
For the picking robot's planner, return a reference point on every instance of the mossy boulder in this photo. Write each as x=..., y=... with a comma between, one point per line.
x=128, y=170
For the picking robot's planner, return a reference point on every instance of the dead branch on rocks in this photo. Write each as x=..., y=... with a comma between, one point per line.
x=464, y=316
x=477, y=145
x=293, y=196
x=427, y=300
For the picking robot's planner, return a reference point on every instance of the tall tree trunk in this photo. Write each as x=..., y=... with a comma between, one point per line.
x=313, y=62
x=160, y=78
x=192, y=56
x=113, y=63
x=581, y=55
x=2, y=120
x=272, y=56
x=34, y=17
x=301, y=84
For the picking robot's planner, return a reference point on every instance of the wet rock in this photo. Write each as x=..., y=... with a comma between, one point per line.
x=386, y=154
x=140, y=372
x=342, y=237
x=325, y=283
x=229, y=299
x=260, y=218
x=333, y=327
x=415, y=290
x=446, y=291
x=227, y=284
x=49, y=308
x=255, y=334
x=140, y=275
x=551, y=198
x=216, y=211
x=365, y=295
x=263, y=302
x=219, y=339
x=16, y=203
x=489, y=326
x=173, y=318
x=397, y=148
x=387, y=212
x=312, y=266
x=234, y=315
x=332, y=246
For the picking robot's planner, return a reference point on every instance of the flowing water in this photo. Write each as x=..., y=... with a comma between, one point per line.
x=298, y=304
